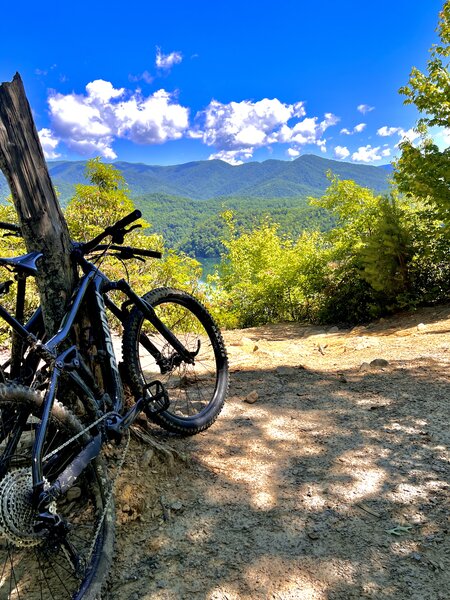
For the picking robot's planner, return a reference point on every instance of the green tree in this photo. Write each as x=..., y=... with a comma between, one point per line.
x=424, y=171
x=267, y=278
x=106, y=200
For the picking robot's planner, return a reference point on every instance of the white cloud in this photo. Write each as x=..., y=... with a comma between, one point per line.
x=166, y=61
x=152, y=120
x=234, y=157
x=410, y=135
x=386, y=131
x=245, y=126
x=48, y=143
x=441, y=137
x=293, y=152
x=369, y=154
x=90, y=123
x=341, y=152
x=103, y=91
x=356, y=129
x=365, y=108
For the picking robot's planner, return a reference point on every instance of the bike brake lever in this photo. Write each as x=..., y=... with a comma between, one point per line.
x=118, y=237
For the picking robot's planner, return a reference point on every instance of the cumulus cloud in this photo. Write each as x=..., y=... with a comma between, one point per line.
x=233, y=157
x=356, y=129
x=369, y=154
x=365, y=108
x=166, y=61
x=293, y=152
x=341, y=152
x=405, y=135
x=409, y=135
x=386, y=131
x=89, y=123
x=48, y=143
x=238, y=128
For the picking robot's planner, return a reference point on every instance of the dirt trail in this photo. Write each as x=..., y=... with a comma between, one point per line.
x=333, y=484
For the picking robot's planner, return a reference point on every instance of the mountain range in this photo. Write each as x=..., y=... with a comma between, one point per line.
x=203, y=180
x=184, y=202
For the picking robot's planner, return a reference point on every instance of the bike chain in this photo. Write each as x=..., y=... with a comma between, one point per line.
x=75, y=437
x=110, y=495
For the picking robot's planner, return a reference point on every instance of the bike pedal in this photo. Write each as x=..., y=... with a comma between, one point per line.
x=157, y=398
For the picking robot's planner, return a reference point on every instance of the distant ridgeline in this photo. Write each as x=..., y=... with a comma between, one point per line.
x=184, y=202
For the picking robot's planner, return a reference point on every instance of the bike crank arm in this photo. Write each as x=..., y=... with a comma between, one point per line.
x=154, y=400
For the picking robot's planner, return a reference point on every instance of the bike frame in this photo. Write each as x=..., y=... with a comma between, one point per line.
x=69, y=362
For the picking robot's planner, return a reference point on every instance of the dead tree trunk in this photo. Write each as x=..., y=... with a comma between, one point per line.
x=43, y=225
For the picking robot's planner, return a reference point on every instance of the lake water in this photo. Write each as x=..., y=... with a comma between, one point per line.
x=208, y=265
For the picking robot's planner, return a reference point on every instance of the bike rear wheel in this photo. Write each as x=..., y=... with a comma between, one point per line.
x=196, y=391
x=32, y=566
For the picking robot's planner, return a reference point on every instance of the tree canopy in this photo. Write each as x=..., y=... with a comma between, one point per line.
x=424, y=170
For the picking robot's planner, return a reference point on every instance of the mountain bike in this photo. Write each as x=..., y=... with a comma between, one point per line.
x=56, y=495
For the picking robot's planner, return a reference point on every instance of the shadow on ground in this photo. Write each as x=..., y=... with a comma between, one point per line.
x=328, y=487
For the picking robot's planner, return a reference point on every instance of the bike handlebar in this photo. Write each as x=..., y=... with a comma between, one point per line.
x=129, y=252
x=116, y=231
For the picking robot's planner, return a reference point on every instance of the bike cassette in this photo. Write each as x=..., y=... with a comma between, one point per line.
x=157, y=398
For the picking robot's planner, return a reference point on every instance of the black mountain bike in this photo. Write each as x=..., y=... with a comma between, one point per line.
x=56, y=497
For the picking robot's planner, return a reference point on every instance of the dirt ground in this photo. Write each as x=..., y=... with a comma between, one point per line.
x=333, y=484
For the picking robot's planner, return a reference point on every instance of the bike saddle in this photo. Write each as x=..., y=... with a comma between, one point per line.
x=25, y=263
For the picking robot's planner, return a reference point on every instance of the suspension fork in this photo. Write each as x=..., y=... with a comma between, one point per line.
x=149, y=312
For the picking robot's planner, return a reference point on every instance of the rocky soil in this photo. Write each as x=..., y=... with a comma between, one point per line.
x=325, y=477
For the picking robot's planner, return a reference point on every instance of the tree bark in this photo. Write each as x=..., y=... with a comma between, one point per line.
x=43, y=225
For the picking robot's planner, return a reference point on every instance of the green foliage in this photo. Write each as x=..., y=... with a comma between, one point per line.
x=424, y=171
x=385, y=253
x=266, y=278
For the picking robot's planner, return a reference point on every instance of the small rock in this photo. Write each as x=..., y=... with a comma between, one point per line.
x=252, y=397
x=364, y=366
x=148, y=456
x=379, y=363
x=333, y=329
x=342, y=378
x=421, y=327
x=313, y=535
x=249, y=345
x=126, y=508
x=177, y=505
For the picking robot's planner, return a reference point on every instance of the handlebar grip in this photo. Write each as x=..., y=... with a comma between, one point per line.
x=142, y=252
x=134, y=216
x=10, y=227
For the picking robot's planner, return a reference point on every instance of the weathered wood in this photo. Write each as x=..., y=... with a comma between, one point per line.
x=43, y=225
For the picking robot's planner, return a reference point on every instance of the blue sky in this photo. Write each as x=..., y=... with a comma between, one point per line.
x=170, y=82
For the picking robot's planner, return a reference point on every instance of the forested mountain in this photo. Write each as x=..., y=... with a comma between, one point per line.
x=183, y=202
x=207, y=179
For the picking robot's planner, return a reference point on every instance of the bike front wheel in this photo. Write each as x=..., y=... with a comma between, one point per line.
x=196, y=389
